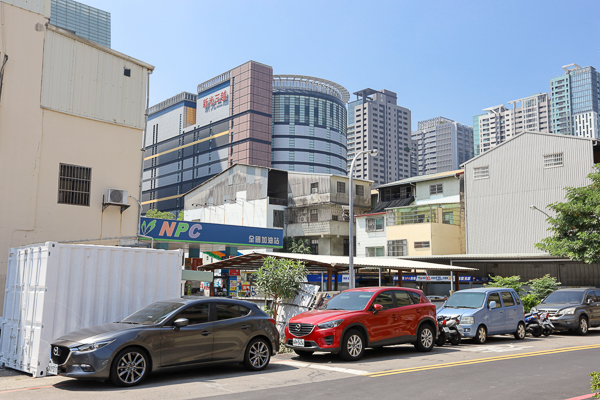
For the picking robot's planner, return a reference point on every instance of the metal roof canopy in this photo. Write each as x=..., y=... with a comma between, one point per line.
x=318, y=263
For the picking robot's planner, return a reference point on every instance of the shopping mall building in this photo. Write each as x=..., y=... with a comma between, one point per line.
x=246, y=115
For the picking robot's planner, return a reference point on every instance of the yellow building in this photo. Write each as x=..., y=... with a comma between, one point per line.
x=71, y=127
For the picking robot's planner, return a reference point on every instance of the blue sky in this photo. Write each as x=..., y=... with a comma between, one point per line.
x=442, y=58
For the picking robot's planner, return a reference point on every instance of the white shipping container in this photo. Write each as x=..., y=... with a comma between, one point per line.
x=53, y=289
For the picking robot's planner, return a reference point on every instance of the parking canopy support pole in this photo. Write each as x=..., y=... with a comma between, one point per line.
x=379, y=276
x=457, y=281
x=336, y=279
x=399, y=278
x=329, y=279
x=451, y=281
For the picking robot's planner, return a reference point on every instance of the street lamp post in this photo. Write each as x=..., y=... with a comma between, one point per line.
x=535, y=208
x=351, y=255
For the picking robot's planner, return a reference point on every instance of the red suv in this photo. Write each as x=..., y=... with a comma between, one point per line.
x=364, y=317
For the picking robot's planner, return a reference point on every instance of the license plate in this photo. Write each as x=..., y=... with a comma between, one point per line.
x=446, y=330
x=298, y=342
x=52, y=369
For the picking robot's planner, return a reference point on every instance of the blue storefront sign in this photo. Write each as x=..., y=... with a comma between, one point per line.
x=195, y=232
x=432, y=278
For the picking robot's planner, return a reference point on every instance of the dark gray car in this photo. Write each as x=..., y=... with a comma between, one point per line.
x=575, y=309
x=168, y=334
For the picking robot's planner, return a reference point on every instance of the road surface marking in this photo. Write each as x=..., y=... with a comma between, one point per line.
x=585, y=396
x=481, y=360
x=492, y=349
x=323, y=367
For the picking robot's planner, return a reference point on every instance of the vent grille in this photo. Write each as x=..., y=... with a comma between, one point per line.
x=299, y=330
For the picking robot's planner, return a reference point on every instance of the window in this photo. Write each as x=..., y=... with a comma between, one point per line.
x=385, y=299
x=436, y=189
x=481, y=172
x=375, y=252
x=402, y=298
x=421, y=245
x=74, y=185
x=415, y=297
x=397, y=248
x=278, y=218
x=196, y=314
x=227, y=311
x=314, y=215
x=507, y=299
x=360, y=190
x=346, y=247
x=494, y=297
x=448, y=217
x=341, y=187
x=553, y=160
x=314, y=246
x=374, y=224
x=314, y=187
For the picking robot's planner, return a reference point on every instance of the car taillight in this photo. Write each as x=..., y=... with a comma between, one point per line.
x=444, y=322
x=273, y=321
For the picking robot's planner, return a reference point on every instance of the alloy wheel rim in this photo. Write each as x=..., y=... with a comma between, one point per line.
x=583, y=325
x=521, y=331
x=259, y=355
x=354, y=345
x=482, y=334
x=426, y=338
x=131, y=367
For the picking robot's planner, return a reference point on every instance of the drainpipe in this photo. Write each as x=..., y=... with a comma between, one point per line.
x=143, y=154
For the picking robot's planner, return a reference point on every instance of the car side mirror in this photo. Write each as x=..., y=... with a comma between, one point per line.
x=590, y=301
x=492, y=304
x=377, y=308
x=181, y=322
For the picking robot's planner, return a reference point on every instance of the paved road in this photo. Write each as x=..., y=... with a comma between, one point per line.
x=546, y=368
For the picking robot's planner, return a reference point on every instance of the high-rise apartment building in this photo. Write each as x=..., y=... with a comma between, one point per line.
x=442, y=145
x=575, y=98
x=501, y=123
x=81, y=19
x=375, y=121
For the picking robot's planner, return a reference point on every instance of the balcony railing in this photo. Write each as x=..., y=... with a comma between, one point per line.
x=278, y=202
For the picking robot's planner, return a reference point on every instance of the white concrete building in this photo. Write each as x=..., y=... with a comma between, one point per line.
x=71, y=127
x=375, y=121
x=500, y=123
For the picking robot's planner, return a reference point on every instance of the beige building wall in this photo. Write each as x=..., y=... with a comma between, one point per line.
x=34, y=141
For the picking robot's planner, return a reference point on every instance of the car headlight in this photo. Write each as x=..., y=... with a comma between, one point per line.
x=567, y=311
x=330, y=324
x=93, y=346
x=467, y=320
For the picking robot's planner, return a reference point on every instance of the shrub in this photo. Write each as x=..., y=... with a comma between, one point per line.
x=595, y=383
x=513, y=282
x=542, y=287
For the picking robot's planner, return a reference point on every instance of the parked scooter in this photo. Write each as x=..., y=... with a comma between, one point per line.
x=450, y=331
x=547, y=325
x=533, y=324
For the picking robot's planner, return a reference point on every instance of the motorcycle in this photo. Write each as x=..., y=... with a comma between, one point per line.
x=547, y=325
x=450, y=330
x=533, y=324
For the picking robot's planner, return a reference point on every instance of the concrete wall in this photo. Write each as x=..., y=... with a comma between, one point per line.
x=451, y=192
x=366, y=239
x=36, y=140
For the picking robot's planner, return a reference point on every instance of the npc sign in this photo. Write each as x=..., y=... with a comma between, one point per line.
x=196, y=232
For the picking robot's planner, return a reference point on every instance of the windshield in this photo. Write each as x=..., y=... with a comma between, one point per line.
x=566, y=296
x=348, y=301
x=465, y=300
x=155, y=313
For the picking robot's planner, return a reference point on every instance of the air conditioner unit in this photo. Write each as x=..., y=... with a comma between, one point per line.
x=302, y=218
x=116, y=196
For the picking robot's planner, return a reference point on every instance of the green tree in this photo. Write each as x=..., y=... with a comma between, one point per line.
x=159, y=214
x=298, y=246
x=280, y=278
x=595, y=384
x=180, y=217
x=542, y=287
x=576, y=226
x=513, y=282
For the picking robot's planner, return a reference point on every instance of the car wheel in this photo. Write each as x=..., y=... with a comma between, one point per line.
x=425, y=338
x=130, y=367
x=582, y=328
x=520, y=332
x=537, y=332
x=258, y=355
x=481, y=335
x=353, y=346
x=303, y=353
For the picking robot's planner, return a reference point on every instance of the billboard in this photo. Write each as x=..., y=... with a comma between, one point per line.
x=195, y=232
x=213, y=104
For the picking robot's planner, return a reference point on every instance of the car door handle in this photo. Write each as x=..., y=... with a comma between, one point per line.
x=205, y=333
x=394, y=316
x=245, y=326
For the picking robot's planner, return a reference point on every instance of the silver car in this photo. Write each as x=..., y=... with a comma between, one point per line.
x=168, y=334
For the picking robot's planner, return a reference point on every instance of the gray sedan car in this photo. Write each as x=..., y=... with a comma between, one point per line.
x=168, y=334
x=574, y=309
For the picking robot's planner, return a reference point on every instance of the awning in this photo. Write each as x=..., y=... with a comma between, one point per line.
x=320, y=263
